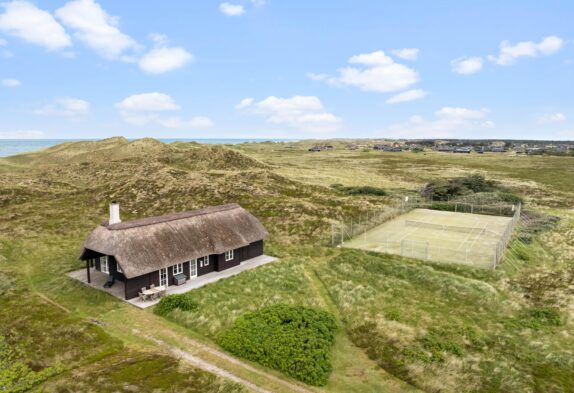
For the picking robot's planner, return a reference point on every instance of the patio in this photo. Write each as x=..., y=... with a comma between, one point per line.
x=98, y=279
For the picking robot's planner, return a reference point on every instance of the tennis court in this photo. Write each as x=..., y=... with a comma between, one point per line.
x=442, y=236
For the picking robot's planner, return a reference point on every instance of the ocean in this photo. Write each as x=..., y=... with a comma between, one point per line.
x=9, y=147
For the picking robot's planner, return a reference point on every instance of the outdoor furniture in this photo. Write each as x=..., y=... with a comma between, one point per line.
x=180, y=279
x=142, y=297
x=154, y=292
x=110, y=281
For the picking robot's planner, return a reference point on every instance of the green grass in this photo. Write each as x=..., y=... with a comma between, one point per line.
x=403, y=322
x=451, y=330
x=136, y=371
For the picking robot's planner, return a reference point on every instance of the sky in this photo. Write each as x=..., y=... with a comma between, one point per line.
x=287, y=69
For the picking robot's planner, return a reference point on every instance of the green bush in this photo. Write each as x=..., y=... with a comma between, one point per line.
x=293, y=339
x=509, y=197
x=359, y=190
x=16, y=375
x=442, y=190
x=167, y=304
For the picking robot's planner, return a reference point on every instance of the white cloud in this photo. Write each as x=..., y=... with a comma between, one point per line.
x=406, y=96
x=3, y=42
x=26, y=21
x=258, y=3
x=300, y=112
x=317, y=77
x=467, y=65
x=406, y=53
x=22, y=134
x=231, y=9
x=144, y=109
x=244, y=103
x=148, y=102
x=95, y=28
x=552, y=118
x=159, y=39
x=448, y=112
x=510, y=53
x=65, y=107
x=10, y=82
x=161, y=60
x=375, y=72
x=449, y=122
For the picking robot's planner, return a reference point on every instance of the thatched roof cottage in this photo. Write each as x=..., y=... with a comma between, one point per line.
x=169, y=249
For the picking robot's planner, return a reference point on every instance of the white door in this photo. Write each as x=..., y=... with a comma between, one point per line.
x=163, y=277
x=193, y=268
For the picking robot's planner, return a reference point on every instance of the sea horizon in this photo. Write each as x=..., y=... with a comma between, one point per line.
x=10, y=147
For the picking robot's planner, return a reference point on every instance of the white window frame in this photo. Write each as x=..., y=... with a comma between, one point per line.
x=228, y=255
x=104, y=262
x=202, y=261
x=118, y=268
x=177, y=268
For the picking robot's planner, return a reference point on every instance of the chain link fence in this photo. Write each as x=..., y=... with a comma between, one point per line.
x=488, y=255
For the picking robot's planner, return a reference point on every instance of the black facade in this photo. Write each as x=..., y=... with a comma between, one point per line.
x=206, y=265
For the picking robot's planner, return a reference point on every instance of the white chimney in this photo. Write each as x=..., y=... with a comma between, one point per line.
x=114, y=213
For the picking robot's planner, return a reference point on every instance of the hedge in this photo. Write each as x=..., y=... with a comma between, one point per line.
x=293, y=339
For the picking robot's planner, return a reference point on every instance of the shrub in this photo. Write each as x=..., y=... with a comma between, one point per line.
x=442, y=190
x=509, y=197
x=538, y=318
x=15, y=375
x=359, y=190
x=293, y=339
x=169, y=303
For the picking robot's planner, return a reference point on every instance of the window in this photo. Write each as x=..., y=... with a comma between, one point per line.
x=104, y=267
x=203, y=261
x=177, y=268
x=118, y=268
x=228, y=255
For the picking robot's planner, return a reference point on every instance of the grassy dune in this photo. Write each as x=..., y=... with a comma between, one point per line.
x=405, y=325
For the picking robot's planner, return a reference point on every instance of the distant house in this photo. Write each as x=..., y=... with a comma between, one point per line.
x=462, y=149
x=315, y=149
x=164, y=250
x=444, y=148
x=497, y=149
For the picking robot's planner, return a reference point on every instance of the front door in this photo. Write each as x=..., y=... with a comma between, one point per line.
x=193, y=268
x=163, y=277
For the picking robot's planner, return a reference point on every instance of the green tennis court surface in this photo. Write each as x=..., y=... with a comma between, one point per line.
x=437, y=235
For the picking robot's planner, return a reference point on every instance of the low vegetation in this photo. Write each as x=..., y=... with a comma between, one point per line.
x=294, y=339
x=15, y=375
x=170, y=303
x=433, y=326
x=439, y=329
x=362, y=190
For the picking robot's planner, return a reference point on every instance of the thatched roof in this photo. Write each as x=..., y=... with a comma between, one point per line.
x=149, y=244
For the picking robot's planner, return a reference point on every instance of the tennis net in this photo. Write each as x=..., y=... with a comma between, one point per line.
x=450, y=228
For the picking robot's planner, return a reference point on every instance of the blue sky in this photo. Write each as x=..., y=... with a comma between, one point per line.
x=287, y=69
